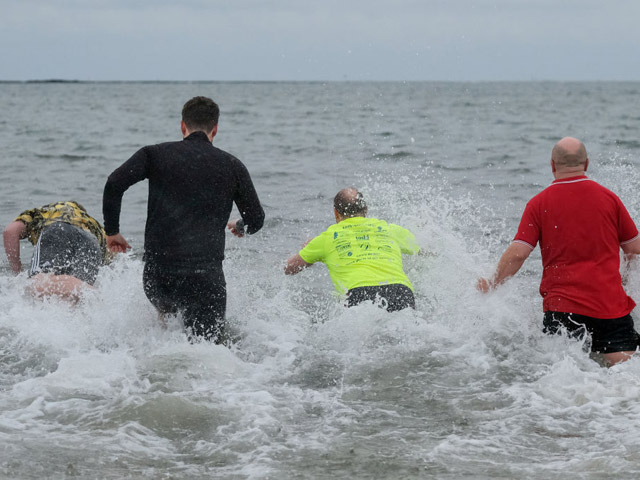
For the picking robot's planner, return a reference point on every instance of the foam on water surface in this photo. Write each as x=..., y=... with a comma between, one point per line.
x=467, y=385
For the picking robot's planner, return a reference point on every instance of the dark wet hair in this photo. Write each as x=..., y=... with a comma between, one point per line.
x=349, y=202
x=200, y=113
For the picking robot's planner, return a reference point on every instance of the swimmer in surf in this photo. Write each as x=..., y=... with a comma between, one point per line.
x=581, y=228
x=363, y=255
x=192, y=188
x=70, y=247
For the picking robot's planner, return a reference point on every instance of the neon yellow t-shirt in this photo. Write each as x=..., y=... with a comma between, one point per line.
x=362, y=252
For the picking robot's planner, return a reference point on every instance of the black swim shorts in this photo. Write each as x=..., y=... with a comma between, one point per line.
x=607, y=335
x=390, y=297
x=200, y=296
x=64, y=249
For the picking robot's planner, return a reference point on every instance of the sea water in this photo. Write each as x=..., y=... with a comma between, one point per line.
x=465, y=386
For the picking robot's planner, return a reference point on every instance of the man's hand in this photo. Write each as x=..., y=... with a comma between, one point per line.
x=484, y=285
x=237, y=230
x=117, y=243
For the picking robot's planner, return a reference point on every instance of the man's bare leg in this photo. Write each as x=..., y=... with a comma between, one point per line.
x=66, y=287
x=611, y=359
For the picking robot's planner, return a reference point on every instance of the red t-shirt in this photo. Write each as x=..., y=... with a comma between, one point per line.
x=580, y=226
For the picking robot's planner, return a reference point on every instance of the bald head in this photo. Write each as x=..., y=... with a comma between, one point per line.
x=569, y=152
x=349, y=202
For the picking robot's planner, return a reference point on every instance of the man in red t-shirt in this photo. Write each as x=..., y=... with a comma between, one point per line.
x=581, y=227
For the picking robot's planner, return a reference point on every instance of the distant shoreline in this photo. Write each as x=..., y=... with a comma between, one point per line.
x=75, y=82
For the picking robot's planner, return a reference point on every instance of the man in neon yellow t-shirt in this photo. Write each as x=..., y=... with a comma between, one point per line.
x=363, y=255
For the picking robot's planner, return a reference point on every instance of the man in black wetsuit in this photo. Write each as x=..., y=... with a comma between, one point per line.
x=192, y=188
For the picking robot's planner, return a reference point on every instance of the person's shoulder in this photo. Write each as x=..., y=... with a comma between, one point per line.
x=602, y=188
x=318, y=241
x=147, y=152
x=328, y=234
x=231, y=163
x=613, y=197
x=380, y=223
x=75, y=204
x=592, y=187
x=36, y=211
x=333, y=227
x=25, y=217
x=394, y=227
x=542, y=194
x=162, y=145
x=229, y=157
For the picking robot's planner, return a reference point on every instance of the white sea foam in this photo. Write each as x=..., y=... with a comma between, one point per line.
x=467, y=385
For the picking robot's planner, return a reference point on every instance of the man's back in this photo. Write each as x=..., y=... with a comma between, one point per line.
x=361, y=252
x=192, y=187
x=36, y=219
x=580, y=226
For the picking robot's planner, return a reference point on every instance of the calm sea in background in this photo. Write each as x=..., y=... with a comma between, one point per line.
x=465, y=386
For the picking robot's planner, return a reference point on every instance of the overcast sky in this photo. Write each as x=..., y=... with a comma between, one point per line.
x=320, y=40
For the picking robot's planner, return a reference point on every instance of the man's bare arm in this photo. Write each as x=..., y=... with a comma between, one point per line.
x=13, y=233
x=631, y=248
x=295, y=264
x=509, y=264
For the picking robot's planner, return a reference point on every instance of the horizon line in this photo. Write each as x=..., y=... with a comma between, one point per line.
x=78, y=81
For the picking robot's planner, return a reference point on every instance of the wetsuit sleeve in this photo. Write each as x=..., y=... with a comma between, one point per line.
x=314, y=251
x=247, y=201
x=529, y=229
x=406, y=239
x=132, y=171
x=627, y=230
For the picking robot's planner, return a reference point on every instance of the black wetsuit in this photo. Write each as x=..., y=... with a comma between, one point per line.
x=192, y=188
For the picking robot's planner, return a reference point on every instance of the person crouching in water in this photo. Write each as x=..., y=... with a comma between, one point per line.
x=363, y=255
x=70, y=247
